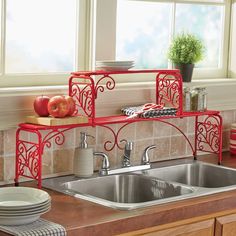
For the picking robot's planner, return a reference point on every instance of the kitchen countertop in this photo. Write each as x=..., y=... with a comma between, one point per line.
x=81, y=217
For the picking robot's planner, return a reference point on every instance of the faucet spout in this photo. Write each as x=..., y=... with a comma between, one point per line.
x=127, y=153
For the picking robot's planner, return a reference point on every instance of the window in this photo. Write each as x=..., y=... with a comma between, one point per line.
x=144, y=29
x=42, y=42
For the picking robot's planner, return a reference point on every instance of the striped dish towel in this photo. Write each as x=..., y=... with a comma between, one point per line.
x=165, y=111
x=40, y=227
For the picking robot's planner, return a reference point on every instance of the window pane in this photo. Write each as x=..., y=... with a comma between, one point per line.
x=206, y=22
x=143, y=31
x=40, y=36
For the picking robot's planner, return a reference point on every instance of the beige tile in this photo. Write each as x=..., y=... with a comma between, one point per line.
x=178, y=146
x=9, y=141
x=47, y=163
x=1, y=143
x=63, y=160
x=228, y=119
x=105, y=134
x=181, y=124
x=225, y=139
x=161, y=129
x=9, y=168
x=189, y=151
x=64, y=140
x=1, y=168
x=127, y=132
x=191, y=125
x=144, y=130
x=162, y=151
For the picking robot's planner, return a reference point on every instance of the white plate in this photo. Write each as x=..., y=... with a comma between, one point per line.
x=22, y=197
x=25, y=212
x=20, y=214
x=111, y=63
x=114, y=68
x=30, y=208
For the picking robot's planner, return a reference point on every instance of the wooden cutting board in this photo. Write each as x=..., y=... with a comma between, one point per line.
x=51, y=121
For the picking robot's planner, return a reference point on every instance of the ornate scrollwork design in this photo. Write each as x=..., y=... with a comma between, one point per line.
x=83, y=95
x=110, y=84
x=28, y=158
x=168, y=90
x=110, y=145
x=208, y=134
x=57, y=135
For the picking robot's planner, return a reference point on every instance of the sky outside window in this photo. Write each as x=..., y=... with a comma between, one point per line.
x=40, y=36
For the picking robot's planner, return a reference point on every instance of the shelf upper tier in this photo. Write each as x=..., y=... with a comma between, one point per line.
x=115, y=120
x=102, y=72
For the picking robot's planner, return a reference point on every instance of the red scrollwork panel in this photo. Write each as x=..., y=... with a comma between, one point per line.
x=169, y=90
x=28, y=161
x=82, y=90
x=28, y=155
x=209, y=134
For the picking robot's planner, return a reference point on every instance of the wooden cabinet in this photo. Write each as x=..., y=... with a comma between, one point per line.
x=219, y=226
x=201, y=228
x=226, y=225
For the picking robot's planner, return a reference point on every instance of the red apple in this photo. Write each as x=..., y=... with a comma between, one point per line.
x=71, y=103
x=41, y=105
x=58, y=106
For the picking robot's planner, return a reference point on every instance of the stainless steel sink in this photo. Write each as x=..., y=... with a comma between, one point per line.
x=196, y=174
x=124, y=191
x=165, y=182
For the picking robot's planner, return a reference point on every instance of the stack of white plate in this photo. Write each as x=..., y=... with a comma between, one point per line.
x=22, y=205
x=114, y=65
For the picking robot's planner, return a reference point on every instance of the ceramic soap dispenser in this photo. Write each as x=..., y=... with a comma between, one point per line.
x=83, y=159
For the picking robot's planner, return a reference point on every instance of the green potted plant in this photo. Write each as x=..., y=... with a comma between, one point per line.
x=185, y=50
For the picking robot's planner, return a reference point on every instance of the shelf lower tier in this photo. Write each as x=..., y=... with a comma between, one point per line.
x=115, y=120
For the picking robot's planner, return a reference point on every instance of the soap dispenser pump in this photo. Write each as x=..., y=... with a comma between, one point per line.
x=83, y=159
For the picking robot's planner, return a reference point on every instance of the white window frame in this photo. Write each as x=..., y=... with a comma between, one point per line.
x=82, y=55
x=106, y=37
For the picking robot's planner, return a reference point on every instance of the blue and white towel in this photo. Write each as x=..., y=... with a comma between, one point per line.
x=40, y=227
x=165, y=111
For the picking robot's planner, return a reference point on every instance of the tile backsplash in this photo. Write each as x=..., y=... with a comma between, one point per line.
x=58, y=159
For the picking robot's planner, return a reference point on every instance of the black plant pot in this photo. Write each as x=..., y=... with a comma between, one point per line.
x=186, y=70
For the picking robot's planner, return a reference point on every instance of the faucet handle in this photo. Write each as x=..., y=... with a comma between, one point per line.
x=145, y=157
x=105, y=162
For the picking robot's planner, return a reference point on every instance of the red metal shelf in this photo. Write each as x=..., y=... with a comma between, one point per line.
x=116, y=119
x=103, y=72
x=84, y=87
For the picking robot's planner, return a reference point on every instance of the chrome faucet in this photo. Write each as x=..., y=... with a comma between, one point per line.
x=145, y=157
x=126, y=166
x=127, y=153
x=105, y=163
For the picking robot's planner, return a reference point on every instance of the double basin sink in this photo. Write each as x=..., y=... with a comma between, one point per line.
x=162, y=184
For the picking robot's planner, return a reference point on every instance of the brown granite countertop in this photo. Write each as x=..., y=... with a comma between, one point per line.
x=81, y=217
